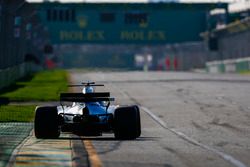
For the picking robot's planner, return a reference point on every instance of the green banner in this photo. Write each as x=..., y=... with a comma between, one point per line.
x=125, y=23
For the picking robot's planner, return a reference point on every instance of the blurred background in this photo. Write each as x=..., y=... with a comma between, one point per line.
x=204, y=35
x=39, y=39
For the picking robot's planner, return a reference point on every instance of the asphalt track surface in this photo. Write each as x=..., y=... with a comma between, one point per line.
x=188, y=119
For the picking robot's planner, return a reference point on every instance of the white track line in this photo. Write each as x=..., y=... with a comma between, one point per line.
x=226, y=157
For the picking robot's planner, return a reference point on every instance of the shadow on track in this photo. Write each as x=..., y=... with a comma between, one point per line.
x=106, y=138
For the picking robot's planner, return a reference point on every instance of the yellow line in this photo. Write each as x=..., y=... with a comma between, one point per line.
x=37, y=164
x=93, y=156
x=38, y=158
x=28, y=153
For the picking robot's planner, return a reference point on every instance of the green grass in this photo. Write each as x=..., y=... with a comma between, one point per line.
x=245, y=72
x=42, y=86
x=17, y=113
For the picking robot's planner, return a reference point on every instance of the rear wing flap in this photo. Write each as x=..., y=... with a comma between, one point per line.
x=88, y=97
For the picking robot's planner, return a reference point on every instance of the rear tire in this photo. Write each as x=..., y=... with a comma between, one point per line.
x=138, y=122
x=46, y=122
x=127, y=124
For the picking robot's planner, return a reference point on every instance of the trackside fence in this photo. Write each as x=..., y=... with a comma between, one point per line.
x=11, y=74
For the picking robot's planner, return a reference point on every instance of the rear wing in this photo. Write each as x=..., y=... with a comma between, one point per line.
x=88, y=97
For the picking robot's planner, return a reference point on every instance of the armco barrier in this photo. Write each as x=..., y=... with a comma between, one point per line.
x=11, y=74
x=243, y=64
x=229, y=66
x=215, y=67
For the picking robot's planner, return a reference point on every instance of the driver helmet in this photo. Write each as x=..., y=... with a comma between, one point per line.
x=88, y=89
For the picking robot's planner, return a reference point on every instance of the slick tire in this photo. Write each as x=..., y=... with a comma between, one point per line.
x=127, y=123
x=46, y=123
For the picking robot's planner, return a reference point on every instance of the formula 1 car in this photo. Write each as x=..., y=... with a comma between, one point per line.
x=89, y=114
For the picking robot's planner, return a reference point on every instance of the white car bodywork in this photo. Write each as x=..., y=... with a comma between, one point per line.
x=95, y=108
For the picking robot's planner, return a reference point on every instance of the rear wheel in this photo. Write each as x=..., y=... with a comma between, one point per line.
x=46, y=122
x=127, y=123
x=138, y=122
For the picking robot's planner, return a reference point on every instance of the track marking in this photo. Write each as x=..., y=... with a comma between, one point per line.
x=226, y=157
x=15, y=152
x=94, y=159
x=40, y=152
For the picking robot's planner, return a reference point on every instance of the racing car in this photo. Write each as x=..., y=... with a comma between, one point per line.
x=87, y=113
